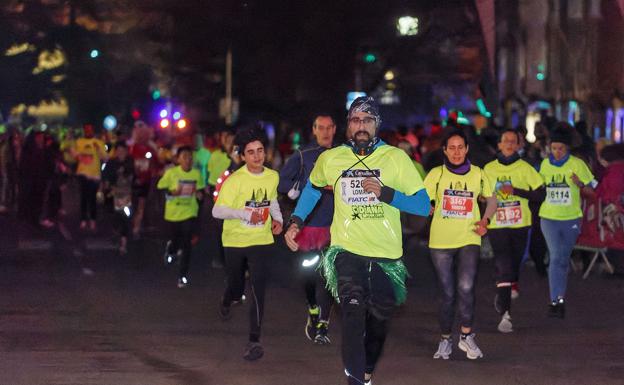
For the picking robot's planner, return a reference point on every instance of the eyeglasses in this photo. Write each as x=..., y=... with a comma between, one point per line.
x=367, y=121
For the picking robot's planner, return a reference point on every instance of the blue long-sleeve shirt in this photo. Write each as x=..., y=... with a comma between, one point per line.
x=294, y=171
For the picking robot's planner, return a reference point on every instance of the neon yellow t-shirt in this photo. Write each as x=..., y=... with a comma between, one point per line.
x=512, y=211
x=563, y=198
x=184, y=206
x=456, y=206
x=89, y=151
x=219, y=162
x=251, y=192
x=362, y=224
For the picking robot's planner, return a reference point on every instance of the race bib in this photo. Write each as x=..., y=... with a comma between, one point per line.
x=262, y=208
x=559, y=196
x=352, y=191
x=141, y=165
x=457, y=204
x=508, y=213
x=187, y=188
x=85, y=158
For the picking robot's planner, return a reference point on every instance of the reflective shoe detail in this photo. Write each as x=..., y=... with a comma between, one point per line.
x=182, y=282
x=369, y=382
x=169, y=257
x=253, y=351
x=515, y=290
x=505, y=325
x=556, y=309
x=240, y=301
x=445, y=348
x=311, y=322
x=469, y=345
x=321, y=337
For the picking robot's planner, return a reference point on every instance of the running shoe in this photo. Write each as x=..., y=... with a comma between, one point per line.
x=321, y=337
x=505, y=326
x=253, y=351
x=445, y=348
x=469, y=345
x=311, y=322
x=369, y=382
x=224, y=312
x=556, y=309
x=182, y=282
x=239, y=301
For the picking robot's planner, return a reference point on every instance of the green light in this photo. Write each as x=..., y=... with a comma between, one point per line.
x=370, y=58
x=482, y=109
x=541, y=68
x=156, y=94
x=94, y=53
x=540, y=76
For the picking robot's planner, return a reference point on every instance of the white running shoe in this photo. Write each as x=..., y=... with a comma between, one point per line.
x=505, y=326
x=469, y=345
x=445, y=348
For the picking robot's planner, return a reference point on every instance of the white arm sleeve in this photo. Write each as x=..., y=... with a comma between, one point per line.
x=224, y=212
x=276, y=213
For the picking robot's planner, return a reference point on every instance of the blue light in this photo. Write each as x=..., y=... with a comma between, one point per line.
x=163, y=113
x=443, y=113
x=176, y=115
x=110, y=122
x=94, y=53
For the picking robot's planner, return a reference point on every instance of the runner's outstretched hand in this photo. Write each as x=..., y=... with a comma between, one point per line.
x=290, y=236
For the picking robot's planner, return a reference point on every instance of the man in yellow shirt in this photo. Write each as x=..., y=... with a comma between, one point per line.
x=89, y=152
x=248, y=205
x=184, y=187
x=371, y=183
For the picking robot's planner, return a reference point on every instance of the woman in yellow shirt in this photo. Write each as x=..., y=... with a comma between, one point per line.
x=455, y=238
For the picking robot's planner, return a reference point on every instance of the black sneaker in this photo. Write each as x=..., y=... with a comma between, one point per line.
x=225, y=312
x=253, y=351
x=321, y=337
x=311, y=322
x=556, y=309
x=182, y=282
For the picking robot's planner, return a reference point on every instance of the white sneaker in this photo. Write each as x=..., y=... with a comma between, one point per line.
x=505, y=326
x=469, y=345
x=445, y=348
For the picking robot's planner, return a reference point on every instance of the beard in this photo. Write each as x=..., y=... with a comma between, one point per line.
x=361, y=137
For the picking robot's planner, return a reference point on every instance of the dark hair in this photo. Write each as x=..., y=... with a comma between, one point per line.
x=183, y=149
x=561, y=135
x=613, y=152
x=246, y=136
x=506, y=130
x=454, y=132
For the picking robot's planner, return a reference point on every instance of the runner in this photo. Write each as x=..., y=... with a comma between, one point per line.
x=117, y=177
x=248, y=205
x=516, y=183
x=371, y=183
x=183, y=186
x=455, y=238
x=89, y=152
x=314, y=237
x=565, y=176
x=143, y=152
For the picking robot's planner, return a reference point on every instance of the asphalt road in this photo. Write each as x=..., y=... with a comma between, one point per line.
x=72, y=311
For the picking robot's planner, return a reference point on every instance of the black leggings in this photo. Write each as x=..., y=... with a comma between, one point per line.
x=181, y=235
x=88, y=201
x=314, y=286
x=509, y=246
x=121, y=223
x=367, y=301
x=237, y=259
x=457, y=272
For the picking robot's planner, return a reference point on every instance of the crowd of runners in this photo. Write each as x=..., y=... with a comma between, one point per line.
x=350, y=198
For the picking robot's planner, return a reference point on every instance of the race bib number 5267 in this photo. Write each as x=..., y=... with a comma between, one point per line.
x=351, y=189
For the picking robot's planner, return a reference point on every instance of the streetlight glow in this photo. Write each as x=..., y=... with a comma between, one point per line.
x=407, y=26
